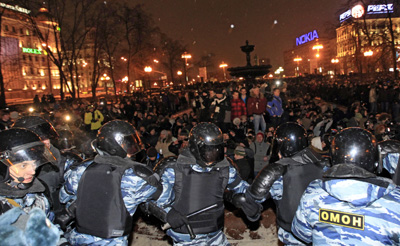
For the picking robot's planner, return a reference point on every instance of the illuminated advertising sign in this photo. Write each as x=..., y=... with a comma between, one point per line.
x=307, y=38
x=380, y=9
x=31, y=51
x=357, y=11
x=345, y=15
x=373, y=9
x=15, y=8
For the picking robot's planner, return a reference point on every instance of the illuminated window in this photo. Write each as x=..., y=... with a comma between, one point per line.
x=27, y=32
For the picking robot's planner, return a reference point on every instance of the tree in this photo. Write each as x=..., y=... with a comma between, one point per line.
x=172, y=51
x=139, y=31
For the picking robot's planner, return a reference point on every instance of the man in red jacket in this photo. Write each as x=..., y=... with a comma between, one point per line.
x=238, y=107
x=256, y=107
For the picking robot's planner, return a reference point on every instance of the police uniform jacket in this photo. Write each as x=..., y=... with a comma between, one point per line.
x=349, y=212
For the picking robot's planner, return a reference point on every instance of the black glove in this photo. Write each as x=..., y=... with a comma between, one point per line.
x=176, y=219
x=251, y=208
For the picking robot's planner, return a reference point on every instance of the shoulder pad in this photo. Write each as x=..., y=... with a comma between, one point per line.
x=389, y=146
x=146, y=174
x=77, y=164
x=72, y=156
x=164, y=163
x=142, y=171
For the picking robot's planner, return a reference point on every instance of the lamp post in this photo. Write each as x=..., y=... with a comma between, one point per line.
x=318, y=47
x=367, y=54
x=297, y=59
x=223, y=65
x=335, y=62
x=179, y=73
x=105, y=78
x=148, y=70
x=186, y=56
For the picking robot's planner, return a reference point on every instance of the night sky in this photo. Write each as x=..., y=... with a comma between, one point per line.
x=221, y=26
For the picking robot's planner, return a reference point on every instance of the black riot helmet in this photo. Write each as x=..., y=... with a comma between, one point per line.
x=38, y=125
x=18, y=145
x=118, y=138
x=206, y=143
x=65, y=140
x=355, y=146
x=290, y=138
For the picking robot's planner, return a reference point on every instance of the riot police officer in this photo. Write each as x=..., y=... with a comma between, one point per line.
x=196, y=181
x=389, y=157
x=286, y=179
x=103, y=193
x=50, y=175
x=21, y=153
x=350, y=205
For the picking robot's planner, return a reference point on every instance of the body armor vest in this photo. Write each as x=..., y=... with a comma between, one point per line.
x=100, y=209
x=295, y=181
x=198, y=190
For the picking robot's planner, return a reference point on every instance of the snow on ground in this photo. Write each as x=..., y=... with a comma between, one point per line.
x=236, y=230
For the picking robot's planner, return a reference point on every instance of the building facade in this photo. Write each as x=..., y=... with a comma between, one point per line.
x=311, y=54
x=364, y=38
x=26, y=67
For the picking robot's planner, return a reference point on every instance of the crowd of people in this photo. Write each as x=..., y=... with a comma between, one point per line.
x=177, y=152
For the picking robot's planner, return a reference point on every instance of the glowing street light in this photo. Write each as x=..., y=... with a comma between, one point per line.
x=148, y=69
x=297, y=59
x=335, y=62
x=186, y=56
x=179, y=73
x=317, y=47
x=223, y=65
x=367, y=54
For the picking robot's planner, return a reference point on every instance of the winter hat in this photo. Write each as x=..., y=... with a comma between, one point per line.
x=152, y=152
x=236, y=121
x=240, y=151
x=260, y=133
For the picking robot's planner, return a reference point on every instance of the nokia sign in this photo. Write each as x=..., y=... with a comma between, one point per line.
x=358, y=11
x=307, y=38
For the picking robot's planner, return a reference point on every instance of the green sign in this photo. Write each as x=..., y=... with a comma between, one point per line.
x=31, y=51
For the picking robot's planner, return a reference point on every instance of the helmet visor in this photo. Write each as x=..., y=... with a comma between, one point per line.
x=131, y=144
x=212, y=154
x=35, y=151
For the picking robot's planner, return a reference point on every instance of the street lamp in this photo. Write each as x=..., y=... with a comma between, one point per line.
x=367, y=54
x=148, y=70
x=223, y=65
x=186, y=56
x=297, y=59
x=335, y=62
x=318, y=47
x=179, y=73
x=105, y=78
